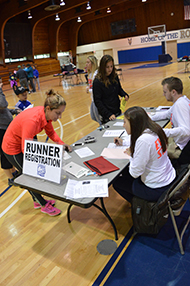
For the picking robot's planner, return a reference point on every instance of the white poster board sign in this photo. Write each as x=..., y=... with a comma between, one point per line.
x=43, y=160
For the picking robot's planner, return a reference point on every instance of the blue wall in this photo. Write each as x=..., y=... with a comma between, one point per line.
x=183, y=49
x=139, y=55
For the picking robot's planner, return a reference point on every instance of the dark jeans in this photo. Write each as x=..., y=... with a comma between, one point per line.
x=128, y=187
x=17, y=161
x=32, y=84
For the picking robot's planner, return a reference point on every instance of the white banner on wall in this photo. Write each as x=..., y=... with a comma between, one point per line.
x=43, y=160
x=181, y=36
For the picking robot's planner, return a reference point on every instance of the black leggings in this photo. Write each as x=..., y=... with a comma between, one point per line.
x=17, y=161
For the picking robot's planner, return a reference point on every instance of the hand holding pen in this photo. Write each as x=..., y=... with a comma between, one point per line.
x=118, y=141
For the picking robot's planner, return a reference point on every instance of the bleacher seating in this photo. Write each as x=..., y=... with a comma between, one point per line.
x=48, y=66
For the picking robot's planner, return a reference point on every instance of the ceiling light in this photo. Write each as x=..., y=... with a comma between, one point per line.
x=143, y=0
x=88, y=7
x=57, y=17
x=108, y=10
x=79, y=19
x=62, y=3
x=29, y=15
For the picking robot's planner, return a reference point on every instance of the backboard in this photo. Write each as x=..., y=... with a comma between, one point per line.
x=157, y=31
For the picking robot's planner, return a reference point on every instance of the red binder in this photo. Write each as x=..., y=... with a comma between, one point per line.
x=100, y=165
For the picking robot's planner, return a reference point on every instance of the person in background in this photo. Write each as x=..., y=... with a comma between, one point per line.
x=25, y=126
x=179, y=115
x=92, y=65
x=6, y=116
x=12, y=79
x=30, y=75
x=22, y=76
x=106, y=90
x=36, y=77
x=21, y=93
x=150, y=172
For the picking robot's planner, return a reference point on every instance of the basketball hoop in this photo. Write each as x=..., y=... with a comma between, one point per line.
x=157, y=32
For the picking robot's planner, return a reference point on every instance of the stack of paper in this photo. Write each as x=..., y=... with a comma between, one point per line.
x=115, y=153
x=86, y=189
x=114, y=133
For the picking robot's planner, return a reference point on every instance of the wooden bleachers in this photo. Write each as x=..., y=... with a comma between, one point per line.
x=45, y=67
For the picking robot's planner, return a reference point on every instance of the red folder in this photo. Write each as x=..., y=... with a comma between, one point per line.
x=100, y=165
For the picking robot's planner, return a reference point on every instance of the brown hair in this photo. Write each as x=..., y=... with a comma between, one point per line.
x=54, y=100
x=139, y=121
x=173, y=83
x=101, y=75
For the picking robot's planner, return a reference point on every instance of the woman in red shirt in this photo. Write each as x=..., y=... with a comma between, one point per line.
x=27, y=125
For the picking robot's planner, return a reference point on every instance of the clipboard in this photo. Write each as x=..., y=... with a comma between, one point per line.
x=100, y=165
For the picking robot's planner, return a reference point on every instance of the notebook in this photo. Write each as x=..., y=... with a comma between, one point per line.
x=100, y=165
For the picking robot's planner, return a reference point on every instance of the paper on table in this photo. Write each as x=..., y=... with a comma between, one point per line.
x=114, y=153
x=84, y=152
x=69, y=189
x=119, y=123
x=151, y=113
x=114, y=146
x=86, y=189
x=66, y=155
x=75, y=169
x=114, y=133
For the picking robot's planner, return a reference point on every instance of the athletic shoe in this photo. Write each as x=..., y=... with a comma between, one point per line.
x=38, y=206
x=50, y=210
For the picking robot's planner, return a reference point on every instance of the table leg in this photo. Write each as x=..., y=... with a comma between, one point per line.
x=104, y=211
x=68, y=213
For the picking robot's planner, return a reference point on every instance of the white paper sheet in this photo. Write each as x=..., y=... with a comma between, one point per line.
x=86, y=189
x=66, y=155
x=114, y=146
x=119, y=123
x=84, y=152
x=114, y=133
x=114, y=153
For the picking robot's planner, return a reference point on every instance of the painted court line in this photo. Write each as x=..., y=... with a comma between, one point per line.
x=5, y=191
x=13, y=203
x=117, y=260
x=159, y=80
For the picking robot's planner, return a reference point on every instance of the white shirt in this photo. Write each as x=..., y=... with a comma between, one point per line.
x=179, y=115
x=150, y=162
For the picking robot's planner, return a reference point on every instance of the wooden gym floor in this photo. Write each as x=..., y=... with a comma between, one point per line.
x=36, y=249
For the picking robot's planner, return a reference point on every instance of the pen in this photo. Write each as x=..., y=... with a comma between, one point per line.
x=116, y=141
x=121, y=134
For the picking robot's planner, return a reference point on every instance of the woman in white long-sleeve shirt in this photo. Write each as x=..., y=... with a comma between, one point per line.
x=150, y=171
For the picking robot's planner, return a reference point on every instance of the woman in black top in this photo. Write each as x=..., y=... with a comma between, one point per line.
x=106, y=88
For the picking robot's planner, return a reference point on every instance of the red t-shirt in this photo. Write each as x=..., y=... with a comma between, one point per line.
x=26, y=125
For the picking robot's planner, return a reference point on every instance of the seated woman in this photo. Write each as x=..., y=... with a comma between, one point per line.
x=150, y=171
